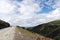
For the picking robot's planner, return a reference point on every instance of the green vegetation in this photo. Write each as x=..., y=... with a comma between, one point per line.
x=51, y=29
x=31, y=34
x=25, y=32
x=4, y=24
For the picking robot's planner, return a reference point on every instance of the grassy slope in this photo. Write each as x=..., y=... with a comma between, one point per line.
x=54, y=22
x=28, y=33
x=51, y=29
x=4, y=24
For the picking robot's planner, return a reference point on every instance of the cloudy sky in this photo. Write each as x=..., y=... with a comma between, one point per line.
x=29, y=13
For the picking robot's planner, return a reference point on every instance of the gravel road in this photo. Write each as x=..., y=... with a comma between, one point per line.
x=12, y=33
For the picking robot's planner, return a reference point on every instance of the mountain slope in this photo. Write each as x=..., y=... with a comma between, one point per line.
x=51, y=29
x=4, y=24
x=17, y=33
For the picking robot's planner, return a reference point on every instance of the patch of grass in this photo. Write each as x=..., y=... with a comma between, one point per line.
x=28, y=33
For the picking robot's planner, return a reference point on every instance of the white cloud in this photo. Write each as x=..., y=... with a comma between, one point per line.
x=24, y=13
x=5, y=7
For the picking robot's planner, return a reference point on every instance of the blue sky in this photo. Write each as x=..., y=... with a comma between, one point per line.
x=29, y=13
x=47, y=8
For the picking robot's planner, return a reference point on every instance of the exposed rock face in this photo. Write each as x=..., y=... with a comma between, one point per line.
x=12, y=33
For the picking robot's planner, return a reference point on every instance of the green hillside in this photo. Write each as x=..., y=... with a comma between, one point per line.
x=33, y=35
x=4, y=24
x=51, y=29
